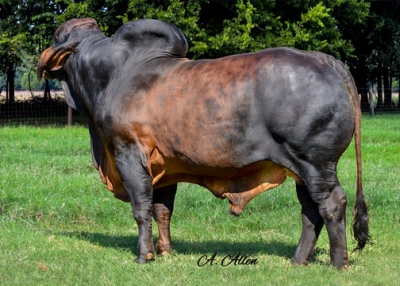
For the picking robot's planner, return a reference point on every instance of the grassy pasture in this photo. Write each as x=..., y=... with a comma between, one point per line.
x=60, y=226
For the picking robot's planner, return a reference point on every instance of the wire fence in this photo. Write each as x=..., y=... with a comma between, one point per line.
x=386, y=101
x=34, y=109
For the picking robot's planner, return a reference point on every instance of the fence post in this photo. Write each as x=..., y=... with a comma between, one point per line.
x=69, y=116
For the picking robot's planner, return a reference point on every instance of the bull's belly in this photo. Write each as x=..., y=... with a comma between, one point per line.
x=240, y=186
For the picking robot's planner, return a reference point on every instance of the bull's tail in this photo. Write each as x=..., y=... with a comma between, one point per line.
x=360, y=212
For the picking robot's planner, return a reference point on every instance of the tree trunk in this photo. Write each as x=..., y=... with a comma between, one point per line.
x=364, y=96
x=10, y=86
x=387, y=89
x=398, y=93
x=47, y=91
x=371, y=101
x=359, y=73
x=379, y=104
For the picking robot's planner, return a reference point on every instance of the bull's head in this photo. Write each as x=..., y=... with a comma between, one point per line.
x=54, y=57
x=152, y=37
x=138, y=40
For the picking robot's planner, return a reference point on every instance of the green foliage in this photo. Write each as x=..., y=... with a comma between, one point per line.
x=386, y=52
x=11, y=53
x=236, y=36
x=183, y=15
x=221, y=28
x=364, y=34
x=74, y=10
x=106, y=12
x=315, y=30
x=310, y=33
x=26, y=78
x=204, y=40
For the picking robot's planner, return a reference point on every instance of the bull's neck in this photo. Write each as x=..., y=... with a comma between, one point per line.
x=89, y=70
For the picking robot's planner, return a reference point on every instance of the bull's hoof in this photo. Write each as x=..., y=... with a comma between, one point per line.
x=163, y=249
x=166, y=253
x=340, y=261
x=298, y=262
x=163, y=252
x=341, y=266
x=148, y=258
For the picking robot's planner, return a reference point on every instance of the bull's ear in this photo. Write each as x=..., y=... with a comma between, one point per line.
x=53, y=58
x=70, y=96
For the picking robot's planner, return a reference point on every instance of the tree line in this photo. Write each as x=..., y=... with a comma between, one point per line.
x=364, y=34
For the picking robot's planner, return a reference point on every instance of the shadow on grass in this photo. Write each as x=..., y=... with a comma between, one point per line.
x=222, y=247
x=129, y=243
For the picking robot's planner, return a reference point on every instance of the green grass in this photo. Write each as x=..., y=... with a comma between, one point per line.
x=60, y=226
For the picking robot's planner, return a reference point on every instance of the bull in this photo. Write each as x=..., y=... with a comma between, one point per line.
x=237, y=125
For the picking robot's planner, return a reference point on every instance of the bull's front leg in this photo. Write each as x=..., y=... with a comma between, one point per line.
x=138, y=184
x=163, y=206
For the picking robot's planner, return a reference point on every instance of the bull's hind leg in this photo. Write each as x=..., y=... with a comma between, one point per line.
x=163, y=206
x=331, y=201
x=333, y=211
x=312, y=225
